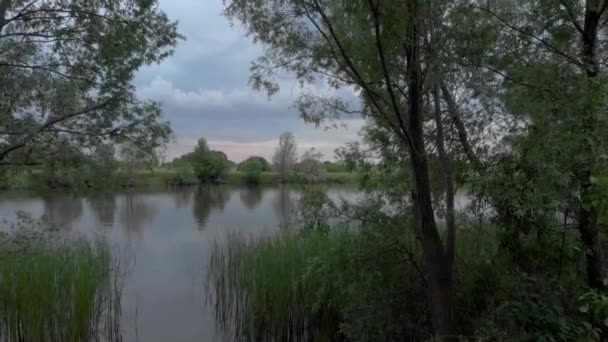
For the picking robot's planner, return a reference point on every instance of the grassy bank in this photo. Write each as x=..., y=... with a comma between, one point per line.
x=167, y=176
x=164, y=176
x=57, y=291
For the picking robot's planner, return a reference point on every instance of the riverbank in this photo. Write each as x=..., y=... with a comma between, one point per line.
x=369, y=285
x=173, y=177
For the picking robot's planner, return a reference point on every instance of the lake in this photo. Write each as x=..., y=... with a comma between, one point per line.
x=165, y=236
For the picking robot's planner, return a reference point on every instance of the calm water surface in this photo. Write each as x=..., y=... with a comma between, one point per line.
x=166, y=234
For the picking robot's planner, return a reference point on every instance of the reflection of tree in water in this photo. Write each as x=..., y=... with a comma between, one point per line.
x=182, y=197
x=62, y=210
x=284, y=206
x=206, y=199
x=251, y=196
x=103, y=206
x=135, y=213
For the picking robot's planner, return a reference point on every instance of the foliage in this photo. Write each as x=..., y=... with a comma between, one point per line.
x=183, y=158
x=314, y=211
x=134, y=159
x=209, y=166
x=350, y=155
x=67, y=167
x=254, y=164
x=334, y=167
x=67, y=68
x=253, y=168
x=103, y=165
x=182, y=173
x=310, y=166
x=15, y=178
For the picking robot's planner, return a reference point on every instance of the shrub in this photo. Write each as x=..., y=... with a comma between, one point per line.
x=254, y=164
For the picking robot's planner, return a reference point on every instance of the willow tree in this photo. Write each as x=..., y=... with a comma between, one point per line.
x=376, y=48
x=66, y=69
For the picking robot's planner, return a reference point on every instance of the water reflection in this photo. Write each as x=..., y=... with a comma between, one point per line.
x=182, y=197
x=62, y=210
x=206, y=199
x=135, y=213
x=103, y=206
x=284, y=206
x=251, y=196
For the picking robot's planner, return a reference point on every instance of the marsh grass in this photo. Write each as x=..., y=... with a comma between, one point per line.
x=55, y=289
x=261, y=287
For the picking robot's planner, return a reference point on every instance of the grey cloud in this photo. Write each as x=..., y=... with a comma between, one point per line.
x=204, y=89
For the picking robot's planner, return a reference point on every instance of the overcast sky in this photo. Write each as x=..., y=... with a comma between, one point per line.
x=205, y=93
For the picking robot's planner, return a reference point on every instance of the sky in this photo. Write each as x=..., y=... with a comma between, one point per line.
x=203, y=88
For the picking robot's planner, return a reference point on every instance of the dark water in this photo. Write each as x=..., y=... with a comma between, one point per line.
x=166, y=235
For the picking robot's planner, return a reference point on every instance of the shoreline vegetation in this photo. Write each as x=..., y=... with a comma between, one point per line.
x=173, y=177
x=326, y=282
x=57, y=288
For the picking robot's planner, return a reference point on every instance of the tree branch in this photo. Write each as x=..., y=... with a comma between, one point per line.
x=373, y=96
x=385, y=71
x=4, y=153
x=461, y=129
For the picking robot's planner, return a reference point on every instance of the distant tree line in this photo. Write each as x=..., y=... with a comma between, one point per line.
x=211, y=167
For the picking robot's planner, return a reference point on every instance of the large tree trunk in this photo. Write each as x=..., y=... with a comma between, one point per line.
x=590, y=236
x=588, y=224
x=448, y=177
x=438, y=265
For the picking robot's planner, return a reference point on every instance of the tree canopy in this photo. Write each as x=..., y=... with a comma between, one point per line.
x=66, y=69
x=254, y=164
x=209, y=166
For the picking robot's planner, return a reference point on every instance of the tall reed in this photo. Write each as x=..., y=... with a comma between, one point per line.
x=58, y=290
x=260, y=288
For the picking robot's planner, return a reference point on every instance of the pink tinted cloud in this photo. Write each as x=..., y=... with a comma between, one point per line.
x=239, y=151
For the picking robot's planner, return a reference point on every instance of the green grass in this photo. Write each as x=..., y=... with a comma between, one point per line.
x=59, y=291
